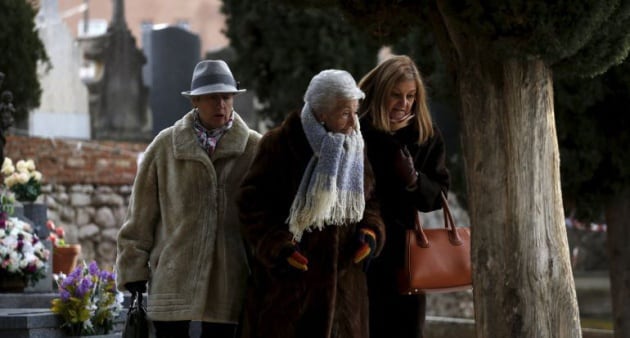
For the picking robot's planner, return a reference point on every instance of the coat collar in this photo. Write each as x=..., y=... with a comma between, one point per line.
x=232, y=143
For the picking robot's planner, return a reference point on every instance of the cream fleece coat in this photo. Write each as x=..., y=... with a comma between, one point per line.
x=182, y=232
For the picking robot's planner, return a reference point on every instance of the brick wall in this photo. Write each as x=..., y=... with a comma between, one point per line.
x=65, y=161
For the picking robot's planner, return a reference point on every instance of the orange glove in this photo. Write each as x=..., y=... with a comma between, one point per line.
x=294, y=257
x=297, y=260
x=367, y=240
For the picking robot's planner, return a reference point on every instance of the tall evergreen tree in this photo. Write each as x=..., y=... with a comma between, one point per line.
x=502, y=56
x=594, y=134
x=20, y=52
x=280, y=48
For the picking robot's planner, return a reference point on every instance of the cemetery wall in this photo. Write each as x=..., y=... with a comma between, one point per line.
x=86, y=186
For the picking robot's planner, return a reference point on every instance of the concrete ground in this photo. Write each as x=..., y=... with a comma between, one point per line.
x=30, y=311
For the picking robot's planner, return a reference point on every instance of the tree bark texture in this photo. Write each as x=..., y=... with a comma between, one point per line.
x=523, y=283
x=617, y=216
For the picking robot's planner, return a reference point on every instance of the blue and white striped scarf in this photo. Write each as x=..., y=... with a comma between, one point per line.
x=331, y=189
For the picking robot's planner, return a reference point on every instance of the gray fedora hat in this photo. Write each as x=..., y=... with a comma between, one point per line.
x=212, y=76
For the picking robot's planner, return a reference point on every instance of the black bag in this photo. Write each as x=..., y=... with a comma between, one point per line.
x=136, y=325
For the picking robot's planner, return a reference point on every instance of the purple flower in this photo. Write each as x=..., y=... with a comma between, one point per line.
x=64, y=294
x=93, y=268
x=107, y=276
x=77, y=272
x=84, y=287
x=69, y=280
x=31, y=268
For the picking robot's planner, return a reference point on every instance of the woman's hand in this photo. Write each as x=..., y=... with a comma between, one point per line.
x=403, y=165
x=295, y=258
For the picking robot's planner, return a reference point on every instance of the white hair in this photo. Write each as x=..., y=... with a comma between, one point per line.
x=330, y=86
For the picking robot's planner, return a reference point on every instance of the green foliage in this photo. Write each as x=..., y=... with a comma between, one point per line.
x=608, y=46
x=21, y=49
x=582, y=36
x=280, y=48
x=533, y=28
x=593, y=133
x=28, y=191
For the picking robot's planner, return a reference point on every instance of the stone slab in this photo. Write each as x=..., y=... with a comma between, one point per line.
x=26, y=300
x=40, y=323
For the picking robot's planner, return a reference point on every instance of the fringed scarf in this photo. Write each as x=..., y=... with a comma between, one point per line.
x=331, y=189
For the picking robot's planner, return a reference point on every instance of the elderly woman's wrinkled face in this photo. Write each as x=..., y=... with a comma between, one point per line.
x=341, y=118
x=215, y=110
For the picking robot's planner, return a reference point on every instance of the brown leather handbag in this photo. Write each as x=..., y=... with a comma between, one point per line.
x=436, y=260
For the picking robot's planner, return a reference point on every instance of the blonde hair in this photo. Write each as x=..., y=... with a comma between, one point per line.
x=377, y=86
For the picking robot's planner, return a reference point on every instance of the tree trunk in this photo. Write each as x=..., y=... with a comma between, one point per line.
x=523, y=282
x=617, y=216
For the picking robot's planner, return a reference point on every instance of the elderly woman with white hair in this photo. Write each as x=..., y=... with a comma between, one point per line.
x=310, y=219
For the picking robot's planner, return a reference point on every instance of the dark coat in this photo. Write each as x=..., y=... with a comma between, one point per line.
x=398, y=209
x=328, y=300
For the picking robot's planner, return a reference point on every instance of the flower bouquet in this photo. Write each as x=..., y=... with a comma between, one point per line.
x=22, y=254
x=88, y=300
x=22, y=179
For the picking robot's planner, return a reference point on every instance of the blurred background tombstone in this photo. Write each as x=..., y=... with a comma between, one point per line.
x=172, y=53
x=63, y=111
x=112, y=71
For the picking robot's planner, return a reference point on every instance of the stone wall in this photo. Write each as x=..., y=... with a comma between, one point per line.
x=91, y=215
x=86, y=187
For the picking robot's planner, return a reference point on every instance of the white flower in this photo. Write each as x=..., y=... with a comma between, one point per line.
x=7, y=167
x=30, y=165
x=22, y=166
x=23, y=254
x=10, y=181
x=22, y=177
x=36, y=175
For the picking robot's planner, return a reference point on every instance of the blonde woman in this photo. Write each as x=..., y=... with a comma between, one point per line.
x=407, y=154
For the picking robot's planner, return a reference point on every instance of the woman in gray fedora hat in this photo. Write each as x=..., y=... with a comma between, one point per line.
x=182, y=233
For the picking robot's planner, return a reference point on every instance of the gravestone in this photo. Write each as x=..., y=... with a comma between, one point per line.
x=172, y=53
x=35, y=215
x=113, y=75
x=63, y=111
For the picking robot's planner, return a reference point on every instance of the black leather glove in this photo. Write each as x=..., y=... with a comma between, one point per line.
x=403, y=165
x=137, y=287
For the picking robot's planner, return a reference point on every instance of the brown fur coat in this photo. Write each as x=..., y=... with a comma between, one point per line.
x=328, y=300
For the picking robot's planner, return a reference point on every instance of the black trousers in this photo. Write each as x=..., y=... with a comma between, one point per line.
x=393, y=314
x=181, y=329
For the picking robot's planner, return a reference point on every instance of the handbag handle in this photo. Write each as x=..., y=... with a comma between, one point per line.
x=449, y=224
x=136, y=301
